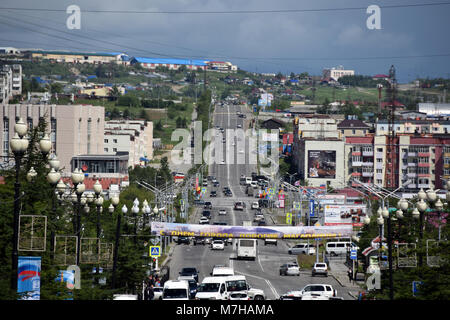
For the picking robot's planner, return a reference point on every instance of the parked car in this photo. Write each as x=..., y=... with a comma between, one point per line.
x=203, y=220
x=217, y=245
x=302, y=248
x=185, y=240
x=189, y=271
x=289, y=269
x=320, y=268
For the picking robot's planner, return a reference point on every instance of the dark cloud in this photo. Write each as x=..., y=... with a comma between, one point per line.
x=263, y=42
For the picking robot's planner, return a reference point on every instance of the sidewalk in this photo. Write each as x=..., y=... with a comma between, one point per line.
x=338, y=270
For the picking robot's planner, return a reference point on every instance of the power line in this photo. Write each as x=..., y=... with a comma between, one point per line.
x=417, y=5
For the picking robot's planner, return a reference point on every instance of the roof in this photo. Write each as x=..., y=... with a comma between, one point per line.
x=380, y=76
x=171, y=61
x=110, y=54
x=352, y=124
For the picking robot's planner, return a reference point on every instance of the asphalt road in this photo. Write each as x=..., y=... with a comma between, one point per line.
x=263, y=273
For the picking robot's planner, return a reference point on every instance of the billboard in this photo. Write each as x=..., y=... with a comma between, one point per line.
x=258, y=232
x=322, y=164
x=349, y=214
x=29, y=278
x=324, y=199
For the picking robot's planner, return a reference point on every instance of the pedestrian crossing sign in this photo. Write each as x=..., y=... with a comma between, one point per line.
x=155, y=251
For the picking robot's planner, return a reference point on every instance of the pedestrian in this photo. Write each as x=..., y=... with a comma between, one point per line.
x=151, y=280
x=151, y=293
x=350, y=275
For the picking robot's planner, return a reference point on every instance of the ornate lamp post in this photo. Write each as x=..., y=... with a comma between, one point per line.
x=112, y=208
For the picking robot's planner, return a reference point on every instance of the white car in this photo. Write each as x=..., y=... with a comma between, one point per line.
x=222, y=212
x=217, y=245
x=255, y=205
x=320, y=268
x=302, y=248
x=310, y=290
x=222, y=162
x=158, y=291
x=203, y=220
x=238, y=296
x=289, y=269
x=270, y=241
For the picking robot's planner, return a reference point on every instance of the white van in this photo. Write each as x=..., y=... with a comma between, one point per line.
x=248, y=180
x=339, y=247
x=246, y=248
x=176, y=290
x=222, y=272
x=211, y=288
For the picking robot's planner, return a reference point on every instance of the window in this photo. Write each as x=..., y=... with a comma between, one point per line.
x=106, y=140
x=106, y=149
x=115, y=140
x=114, y=149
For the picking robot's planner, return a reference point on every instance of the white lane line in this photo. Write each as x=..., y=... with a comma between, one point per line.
x=271, y=287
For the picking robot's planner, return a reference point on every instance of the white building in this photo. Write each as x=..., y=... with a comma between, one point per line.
x=336, y=73
x=10, y=82
x=132, y=136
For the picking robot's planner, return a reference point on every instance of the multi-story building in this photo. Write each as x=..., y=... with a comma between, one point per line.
x=335, y=73
x=359, y=159
x=132, y=136
x=171, y=64
x=73, y=129
x=10, y=82
x=79, y=57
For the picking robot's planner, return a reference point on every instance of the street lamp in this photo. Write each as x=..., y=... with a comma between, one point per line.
x=115, y=202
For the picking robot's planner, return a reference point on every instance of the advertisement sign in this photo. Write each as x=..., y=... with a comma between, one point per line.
x=281, y=200
x=331, y=199
x=322, y=164
x=260, y=232
x=29, y=278
x=311, y=208
x=349, y=214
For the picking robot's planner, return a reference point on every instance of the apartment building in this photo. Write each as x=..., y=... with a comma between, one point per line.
x=10, y=82
x=73, y=129
x=336, y=72
x=79, y=57
x=132, y=136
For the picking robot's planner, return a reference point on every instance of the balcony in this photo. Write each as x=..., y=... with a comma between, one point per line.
x=423, y=164
x=412, y=186
x=411, y=174
x=423, y=154
x=367, y=153
x=412, y=154
x=424, y=175
x=423, y=186
x=356, y=174
x=367, y=164
x=412, y=164
x=367, y=174
x=356, y=153
x=379, y=155
x=356, y=163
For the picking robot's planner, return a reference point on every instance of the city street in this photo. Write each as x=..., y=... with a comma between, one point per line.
x=263, y=273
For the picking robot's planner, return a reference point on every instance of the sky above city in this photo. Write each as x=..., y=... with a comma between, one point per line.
x=258, y=35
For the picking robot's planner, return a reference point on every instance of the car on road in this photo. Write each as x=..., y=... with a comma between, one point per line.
x=205, y=183
x=258, y=217
x=203, y=220
x=325, y=290
x=192, y=288
x=254, y=184
x=185, y=240
x=228, y=193
x=302, y=248
x=270, y=241
x=157, y=291
x=222, y=212
x=216, y=184
x=289, y=269
x=255, y=205
x=198, y=240
x=239, y=205
x=238, y=296
x=262, y=222
x=207, y=214
x=176, y=290
x=320, y=268
x=189, y=272
x=217, y=245
x=213, y=194
x=208, y=205
x=223, y=140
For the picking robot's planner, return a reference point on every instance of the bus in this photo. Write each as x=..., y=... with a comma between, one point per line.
x=246, y=248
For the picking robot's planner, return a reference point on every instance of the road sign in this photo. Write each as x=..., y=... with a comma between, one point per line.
x=416, y=287
x=288, y=218
x=155, y=241
x=311, y=208
x=155, y=251
x=353, y=255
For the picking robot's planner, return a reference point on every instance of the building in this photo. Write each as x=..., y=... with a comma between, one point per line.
x=10, y=82
x=359, y=160
x=352, y=127
x=73, y=129
x=435, y=109
x=171, y=64
x=272, y=124
x=336, y=73
x=221, y=66
x=9, y=50
x=417, y=127
x=132, y=136
x=79, y=57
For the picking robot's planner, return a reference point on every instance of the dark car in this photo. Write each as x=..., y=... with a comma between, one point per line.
x=206, y=213
x=192, y=288
x=199, y=202
x=185, y=240
x=216, y=184
x=191, y=271
x=198, y=240
x=213, y=194
x=208, y=205
x=225, y=189
x=228, y=193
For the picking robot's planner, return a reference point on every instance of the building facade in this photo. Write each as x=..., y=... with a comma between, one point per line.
x=336, y=73
x=132, y=136
x=10, y=82
x=73, y=129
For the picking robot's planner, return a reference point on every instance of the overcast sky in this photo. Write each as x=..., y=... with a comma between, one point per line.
x=413, y=39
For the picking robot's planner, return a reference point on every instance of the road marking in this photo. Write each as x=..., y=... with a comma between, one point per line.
x=271, y=287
